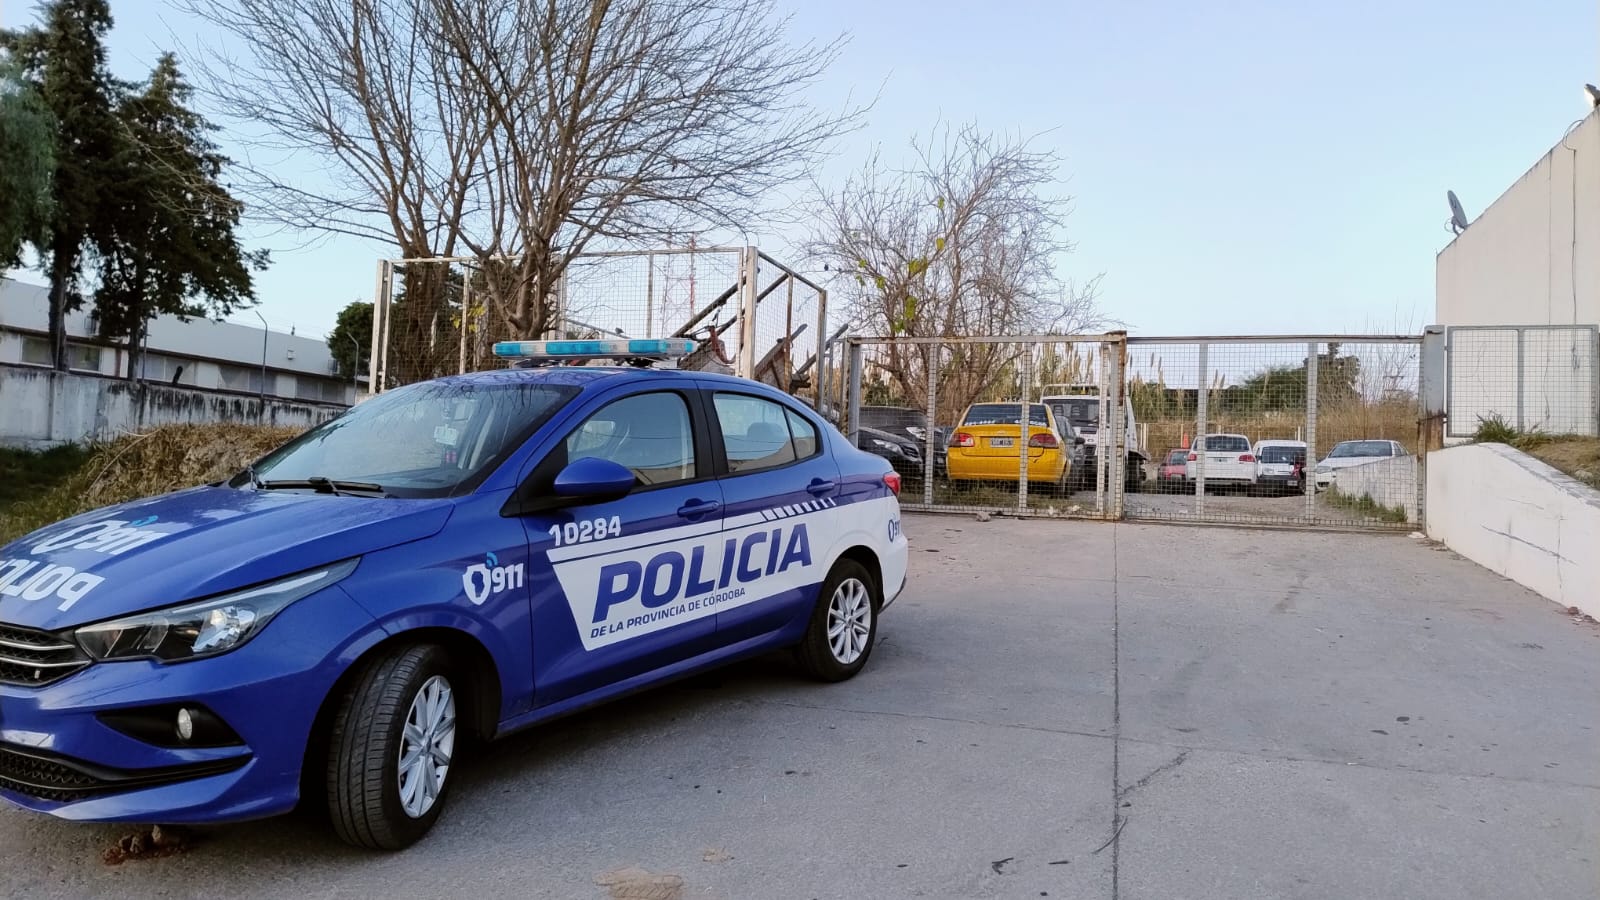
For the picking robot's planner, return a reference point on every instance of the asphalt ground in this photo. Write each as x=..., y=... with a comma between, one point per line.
x=1054, y=709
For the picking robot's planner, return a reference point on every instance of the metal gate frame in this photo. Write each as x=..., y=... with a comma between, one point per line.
x=1467, y=429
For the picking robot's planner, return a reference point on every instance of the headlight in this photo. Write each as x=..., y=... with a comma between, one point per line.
x=207, y=627
x=885, y=445
x=1323, y=470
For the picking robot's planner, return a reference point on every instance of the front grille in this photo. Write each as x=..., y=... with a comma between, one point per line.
x=47, y=776
x=46, y=779
x=32, y=658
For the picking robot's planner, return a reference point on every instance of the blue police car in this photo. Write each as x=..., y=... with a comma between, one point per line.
x=458, y=558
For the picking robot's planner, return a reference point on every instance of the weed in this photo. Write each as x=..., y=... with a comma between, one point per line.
x=1366, y=507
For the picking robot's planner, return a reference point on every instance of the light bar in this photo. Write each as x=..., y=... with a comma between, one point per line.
x=658, y=348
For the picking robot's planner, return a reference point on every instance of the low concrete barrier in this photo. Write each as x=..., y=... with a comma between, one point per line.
x=1514, y=515
x=42, y=408
x=1389, y=482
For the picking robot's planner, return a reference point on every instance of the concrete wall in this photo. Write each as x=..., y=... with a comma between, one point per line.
x=41, y=408
x=1514, y=515
x=1389, y=482
x=1533, y=256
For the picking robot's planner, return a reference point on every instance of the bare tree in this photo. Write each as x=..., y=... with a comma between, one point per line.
x=964, y=243
x=522, y=131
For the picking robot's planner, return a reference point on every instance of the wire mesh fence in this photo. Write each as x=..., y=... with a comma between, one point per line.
x=986, y=424
x=1291, y=431
x=751, y=314
x=1527, y=379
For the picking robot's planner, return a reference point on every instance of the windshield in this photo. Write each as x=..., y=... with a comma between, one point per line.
x=431, y=439
x=1005, y=414
x=1286, y=455
x=1078, y=411
x=1360, y=448
x=886, y=418
x=1177, y=457
x=1228, y=443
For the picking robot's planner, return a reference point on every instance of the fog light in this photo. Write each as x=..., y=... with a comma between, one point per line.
x=185, y=725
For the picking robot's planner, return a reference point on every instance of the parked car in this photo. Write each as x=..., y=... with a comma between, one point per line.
x=1228, y=461
x=1280, y=466
x=909, y=424
x=1354, y=453
x=1172, y=477
x=452, y=560
x=902, y=452
x=985, y=446
x=1080, y=405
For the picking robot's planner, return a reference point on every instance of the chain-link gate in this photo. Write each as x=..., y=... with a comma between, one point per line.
x=986, y=424
x=1318, y=430
x=751, y=314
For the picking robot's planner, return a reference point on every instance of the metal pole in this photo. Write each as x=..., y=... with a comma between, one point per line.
x=853, y=401
x=822, y=335
x=1100, y=454
x=355, y=366
x=650, y=295
x=1309, y=473
x=380, y=326
x=747, y=331
x=466, y=318
x=1197, y=444
x=1520, y=341
x=1119, y=437
x=929, y=439
x=1025, y=433
x=264, y=334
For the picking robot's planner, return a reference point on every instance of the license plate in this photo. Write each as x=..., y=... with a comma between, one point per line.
x=1294, y=482
x=1000, y=442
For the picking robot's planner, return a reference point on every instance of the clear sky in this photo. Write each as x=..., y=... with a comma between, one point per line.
x=1238, y=166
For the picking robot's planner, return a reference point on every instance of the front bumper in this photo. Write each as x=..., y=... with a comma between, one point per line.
x=58, y=756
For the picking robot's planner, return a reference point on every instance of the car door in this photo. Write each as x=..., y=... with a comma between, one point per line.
x=780, y=488
x=616, y=607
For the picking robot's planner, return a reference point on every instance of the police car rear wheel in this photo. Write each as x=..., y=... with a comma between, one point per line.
x=844, y=624
x=392, y=749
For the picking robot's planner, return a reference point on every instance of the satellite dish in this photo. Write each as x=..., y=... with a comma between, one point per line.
x=1591, y=94
x=1458, y=216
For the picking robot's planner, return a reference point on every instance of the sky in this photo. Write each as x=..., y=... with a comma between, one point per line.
x=1237, y=166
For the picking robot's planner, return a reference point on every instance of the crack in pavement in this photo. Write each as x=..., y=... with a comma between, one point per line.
x=1160, y=770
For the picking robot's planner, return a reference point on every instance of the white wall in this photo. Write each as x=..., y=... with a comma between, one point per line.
x=1389, y=482
x=1516, y=516
x=1533, y=256
x=41, y=408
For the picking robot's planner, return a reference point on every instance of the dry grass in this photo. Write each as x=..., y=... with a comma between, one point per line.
x=1347, y=422
x=142, y=465
x=1576, y=456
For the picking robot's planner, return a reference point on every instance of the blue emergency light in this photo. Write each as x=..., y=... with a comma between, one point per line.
x=648, y=348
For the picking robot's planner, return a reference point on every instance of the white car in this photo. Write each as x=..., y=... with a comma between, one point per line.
x=1354, y=453
x=1280, y=466
x=1227, y=458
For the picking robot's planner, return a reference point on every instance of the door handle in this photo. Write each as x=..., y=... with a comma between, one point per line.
x=694, y=509
x=818, y=487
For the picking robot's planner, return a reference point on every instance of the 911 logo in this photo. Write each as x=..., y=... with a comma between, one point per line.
x=485, y=579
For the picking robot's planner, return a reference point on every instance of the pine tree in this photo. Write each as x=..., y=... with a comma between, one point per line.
x=27, y=144
x=65, y=61
x=170, y=246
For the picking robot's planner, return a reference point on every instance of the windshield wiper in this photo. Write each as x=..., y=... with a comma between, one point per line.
x=323, y=485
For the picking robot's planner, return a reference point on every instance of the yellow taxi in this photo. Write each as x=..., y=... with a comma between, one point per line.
x=988, y=444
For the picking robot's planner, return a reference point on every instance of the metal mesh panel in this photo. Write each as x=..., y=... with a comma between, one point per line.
x=1276, y=431
x=1529, y=378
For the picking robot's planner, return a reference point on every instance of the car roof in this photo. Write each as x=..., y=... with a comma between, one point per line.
x=586, y=376
x=1280, y=443
x=1225, y=434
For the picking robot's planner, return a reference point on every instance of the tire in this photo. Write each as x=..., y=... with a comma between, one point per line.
x=366, y=780
x=851, y=594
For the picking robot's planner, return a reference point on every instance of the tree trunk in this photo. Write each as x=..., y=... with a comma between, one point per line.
x=62, y=262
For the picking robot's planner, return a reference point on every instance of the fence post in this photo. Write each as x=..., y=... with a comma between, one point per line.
x=822, y=335
x=747, y=324
x=1101, y=457
x=1309, y=473
x=1119, y=438
x=466, y=316
x=853, y=400
x=1197, y=443
x=1431, y=389
x=1521, y=334
x=1025, y=432
x=929, y=442
x=378, y=362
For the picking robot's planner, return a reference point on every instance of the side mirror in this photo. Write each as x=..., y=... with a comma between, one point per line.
x=593, y=479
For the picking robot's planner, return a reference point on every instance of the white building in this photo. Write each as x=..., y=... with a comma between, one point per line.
x=1529, y=264
x=199, y=353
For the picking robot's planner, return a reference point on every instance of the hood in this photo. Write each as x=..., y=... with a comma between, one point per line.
x=1345, y=462
x=889, y=436
x=194, y=543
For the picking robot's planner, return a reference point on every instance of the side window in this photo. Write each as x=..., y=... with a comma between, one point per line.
x=756, y=433
x=650, y=434
x=804, y=435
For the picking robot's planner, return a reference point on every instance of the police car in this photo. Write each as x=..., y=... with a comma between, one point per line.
x=458, y=558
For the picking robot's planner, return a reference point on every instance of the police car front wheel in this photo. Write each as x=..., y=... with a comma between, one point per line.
x=843, y=625
x=392, y=748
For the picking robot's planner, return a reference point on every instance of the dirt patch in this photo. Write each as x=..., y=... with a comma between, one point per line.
x=1576, y=456
x=634, y=883
x=147, y=843
x=142, y=465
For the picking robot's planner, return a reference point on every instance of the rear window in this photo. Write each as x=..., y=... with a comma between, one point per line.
x=1281, y=454
x=1227, y=443
x=886, y=418
x=1361, y=448
x=1005, y=414
x=1177, y=456
x=1079, y=411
